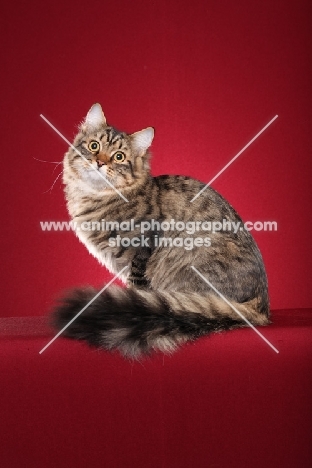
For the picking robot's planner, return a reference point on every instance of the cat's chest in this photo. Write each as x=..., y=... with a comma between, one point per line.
x=100, y=249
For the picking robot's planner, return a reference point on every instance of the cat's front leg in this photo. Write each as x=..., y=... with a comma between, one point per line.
x=137, y=277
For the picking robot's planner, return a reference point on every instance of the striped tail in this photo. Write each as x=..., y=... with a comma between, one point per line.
x=136, y=322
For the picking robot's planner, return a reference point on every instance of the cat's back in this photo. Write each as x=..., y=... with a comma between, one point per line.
x=177, y=193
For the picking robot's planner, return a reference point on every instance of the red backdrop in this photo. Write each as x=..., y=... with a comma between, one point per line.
x=207, y=75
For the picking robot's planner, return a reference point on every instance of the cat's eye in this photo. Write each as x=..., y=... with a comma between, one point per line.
x=119, y=157
x=94, y=146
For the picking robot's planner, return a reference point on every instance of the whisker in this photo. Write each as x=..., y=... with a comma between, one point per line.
x=51, y=162
x=61, y=162
x=50, y=189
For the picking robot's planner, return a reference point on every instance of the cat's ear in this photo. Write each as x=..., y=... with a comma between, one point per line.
x=142, y=140
x=95, y=117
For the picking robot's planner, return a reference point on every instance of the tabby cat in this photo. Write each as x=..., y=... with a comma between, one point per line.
x=166, y=302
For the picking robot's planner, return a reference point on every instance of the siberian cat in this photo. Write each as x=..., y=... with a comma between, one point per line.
x=152, y=228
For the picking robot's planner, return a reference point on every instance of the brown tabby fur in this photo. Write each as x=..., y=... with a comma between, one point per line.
x=166, y=302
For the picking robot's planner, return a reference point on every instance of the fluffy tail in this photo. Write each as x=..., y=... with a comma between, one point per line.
x=137, y=322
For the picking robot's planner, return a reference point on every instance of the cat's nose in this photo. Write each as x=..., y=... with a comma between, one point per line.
x=102, y=158
x=100, y=163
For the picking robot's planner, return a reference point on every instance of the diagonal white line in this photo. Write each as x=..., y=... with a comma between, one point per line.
x=82, y=310
x=85, y=159
x=235, y=310
x=233, y=159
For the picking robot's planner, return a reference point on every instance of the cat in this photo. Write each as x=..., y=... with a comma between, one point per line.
x=166, y=303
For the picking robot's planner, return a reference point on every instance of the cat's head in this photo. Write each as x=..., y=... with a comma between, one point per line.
x=104, y=157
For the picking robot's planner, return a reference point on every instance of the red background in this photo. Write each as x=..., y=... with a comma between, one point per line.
x=227, y=401
x=208, y=75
